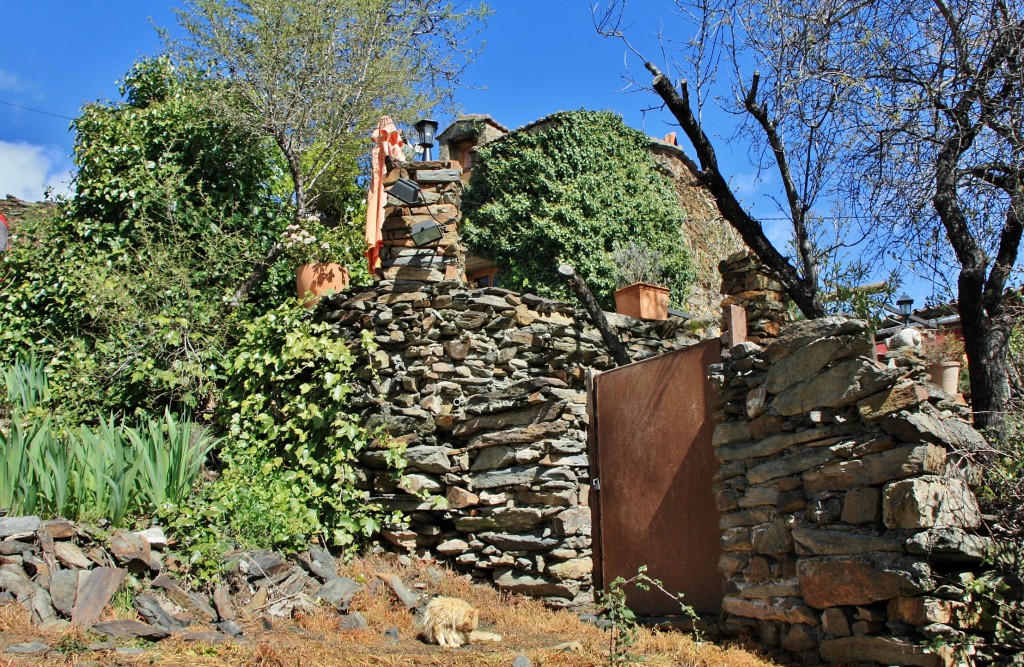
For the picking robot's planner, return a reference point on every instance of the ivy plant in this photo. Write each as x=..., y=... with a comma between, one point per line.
x=566, y=192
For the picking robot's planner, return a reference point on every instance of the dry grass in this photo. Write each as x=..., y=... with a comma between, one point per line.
x=527, y=627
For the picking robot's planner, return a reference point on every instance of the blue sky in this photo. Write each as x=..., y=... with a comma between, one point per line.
x=541, y=56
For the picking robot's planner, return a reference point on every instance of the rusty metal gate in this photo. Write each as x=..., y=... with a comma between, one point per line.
x=652, y=464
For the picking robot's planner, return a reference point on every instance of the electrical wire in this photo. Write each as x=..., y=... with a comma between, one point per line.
x=19, y=106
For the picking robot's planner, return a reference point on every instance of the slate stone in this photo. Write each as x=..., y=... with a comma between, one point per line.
x=787, y=610
x=16, y=582
x=130, y=630
x=328, y=568
x=918, y=427
x=511, y=519
x=535, y=585
x=774, y=539
x=511, y=542
x=188, y=600
x=339, y=592
x=880, y=650
x=794, y=336
x=71, y=556
x=223, y=604
x=778, y=443
x=577, y=568
x=831, y=582
x=791, y=464
x=353, y=621
x=950, y=545
x=862, y=506
x=836, y=387
x=58, y=529
x=428, y=459
x=522, y=661
x=573, y=521
x=42, y=607
x=796, y=368
x=127, y=547
x=155, y=614
x=823, y=542
x=11, y=547
x=927, y=501
x=18, y=525
x=154, y=535
x=404, y=595
x=95, y=589
x=904, y=395
x=231, y=628
x=63, y=586
x=28, y=648
x=391, y=633
x=876, y=469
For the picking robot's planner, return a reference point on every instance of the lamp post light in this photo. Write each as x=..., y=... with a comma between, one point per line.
x=905, y=303
x=425, y=130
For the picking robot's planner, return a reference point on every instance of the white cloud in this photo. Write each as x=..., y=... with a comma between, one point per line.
x=26, y=170
x=10, y=82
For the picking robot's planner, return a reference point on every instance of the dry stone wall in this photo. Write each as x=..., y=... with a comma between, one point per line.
x=486, y=389
x=846, y=503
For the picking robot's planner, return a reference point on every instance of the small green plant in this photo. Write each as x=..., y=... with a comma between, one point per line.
x=623, y=630
x=111, y=470
x=635, y=263
x=942, y=348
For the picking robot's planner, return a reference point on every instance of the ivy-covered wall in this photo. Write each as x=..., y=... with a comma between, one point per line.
x=564, y=191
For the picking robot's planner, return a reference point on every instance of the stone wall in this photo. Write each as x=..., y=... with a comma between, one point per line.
x=487, y=390
x=846, y=505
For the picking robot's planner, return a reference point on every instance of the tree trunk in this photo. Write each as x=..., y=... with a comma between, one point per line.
x=584, y=294
x=987, y=343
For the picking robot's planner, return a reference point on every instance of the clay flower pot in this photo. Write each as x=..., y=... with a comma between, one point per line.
x=313, y=281
x=946, y=374
x=642, y=301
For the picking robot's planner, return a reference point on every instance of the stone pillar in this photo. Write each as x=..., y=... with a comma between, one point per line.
x=441, y=184
x=747, y=283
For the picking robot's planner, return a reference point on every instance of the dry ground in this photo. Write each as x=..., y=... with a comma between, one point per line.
x=528, y=629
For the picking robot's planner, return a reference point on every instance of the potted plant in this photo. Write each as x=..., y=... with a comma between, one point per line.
x=312, y=246
x=943, y=354
x=637, y=272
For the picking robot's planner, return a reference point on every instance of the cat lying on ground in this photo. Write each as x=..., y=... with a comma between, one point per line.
x=452, y=622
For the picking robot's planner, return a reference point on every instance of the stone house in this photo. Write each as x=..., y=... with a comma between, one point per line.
x=708, y=237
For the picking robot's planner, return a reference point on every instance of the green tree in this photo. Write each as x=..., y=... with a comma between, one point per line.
x=567, y=193
x=904, y=114
x=315, y=75
x=123, y=290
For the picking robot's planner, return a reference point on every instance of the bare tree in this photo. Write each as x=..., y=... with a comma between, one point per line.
x=315, y=75
x=908, y=113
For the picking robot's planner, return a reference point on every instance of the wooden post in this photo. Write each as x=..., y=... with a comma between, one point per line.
x=611, y=340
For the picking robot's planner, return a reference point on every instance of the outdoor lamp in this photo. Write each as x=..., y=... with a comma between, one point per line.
x=905, y=303
x=425, y=233
x=406, y=191
x=425, y=130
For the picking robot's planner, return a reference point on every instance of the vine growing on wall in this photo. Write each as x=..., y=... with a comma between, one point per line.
x=566, y=192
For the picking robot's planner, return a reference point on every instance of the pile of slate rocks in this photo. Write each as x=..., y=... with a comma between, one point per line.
x=67, y=574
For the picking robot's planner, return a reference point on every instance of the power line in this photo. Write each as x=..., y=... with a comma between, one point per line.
x=55, y=115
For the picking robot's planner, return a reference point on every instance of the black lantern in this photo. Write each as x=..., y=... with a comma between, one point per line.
x=906, y=304
x=425, y=130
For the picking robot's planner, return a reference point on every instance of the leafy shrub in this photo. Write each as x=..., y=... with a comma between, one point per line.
x=565, y=193
x=288, y=473
x=111, y=471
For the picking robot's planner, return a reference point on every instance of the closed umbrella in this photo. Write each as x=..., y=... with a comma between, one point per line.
x=386, y=142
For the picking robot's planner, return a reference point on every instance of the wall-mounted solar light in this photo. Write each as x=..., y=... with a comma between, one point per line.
x=426, y=233
x=425, y=130
x=407, y=191
x=906, y=304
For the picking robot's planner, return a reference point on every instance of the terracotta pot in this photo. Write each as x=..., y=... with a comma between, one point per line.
x=946, y=374
x=642, y=301
x=316, y=280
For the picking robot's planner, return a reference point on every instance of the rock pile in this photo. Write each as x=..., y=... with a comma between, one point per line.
x=845, y=500
x=747, y=283
x=68, y=574
x=486, y=388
